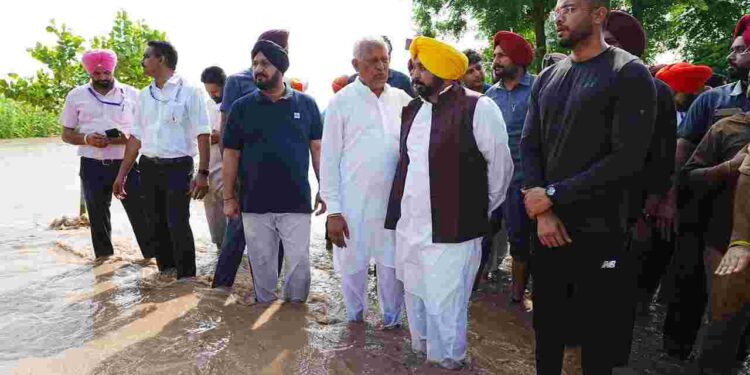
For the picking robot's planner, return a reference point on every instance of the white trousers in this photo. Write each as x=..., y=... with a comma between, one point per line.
x=263, y=233
x=390, y=295
x=442, y=336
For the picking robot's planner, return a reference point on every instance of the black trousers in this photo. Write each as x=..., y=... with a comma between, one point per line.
x=97, y=177
x=687, y=300
x=649, y=260
x=578, y=298
x=166, y=184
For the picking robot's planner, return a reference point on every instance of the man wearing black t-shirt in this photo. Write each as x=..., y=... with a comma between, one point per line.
x=582, y=144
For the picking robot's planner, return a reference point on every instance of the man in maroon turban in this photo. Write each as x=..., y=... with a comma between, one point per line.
x=651, y=245
x=512, y=55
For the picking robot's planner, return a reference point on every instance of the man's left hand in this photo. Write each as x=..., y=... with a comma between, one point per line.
x=199, y=187
x=320, y=206
x=215, y=137
x=536, y=201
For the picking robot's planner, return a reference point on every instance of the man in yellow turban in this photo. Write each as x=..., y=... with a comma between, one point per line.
x=454, y=150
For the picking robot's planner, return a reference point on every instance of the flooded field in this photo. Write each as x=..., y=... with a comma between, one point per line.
x=63, y=313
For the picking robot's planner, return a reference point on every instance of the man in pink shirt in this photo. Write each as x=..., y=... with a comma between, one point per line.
x=97, y=117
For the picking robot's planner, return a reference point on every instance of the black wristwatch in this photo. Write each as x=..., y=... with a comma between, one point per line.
x=203, y=172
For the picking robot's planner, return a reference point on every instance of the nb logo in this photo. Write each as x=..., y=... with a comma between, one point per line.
x=297, y=116
x=609, y=264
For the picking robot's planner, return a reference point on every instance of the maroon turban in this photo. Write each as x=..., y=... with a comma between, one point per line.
x=515, y=47
x=628, y=32
x=278, y=36
x=743, y=30
x=684, y=77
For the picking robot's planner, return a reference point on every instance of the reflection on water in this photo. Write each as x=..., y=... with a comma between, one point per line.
x=63, y=313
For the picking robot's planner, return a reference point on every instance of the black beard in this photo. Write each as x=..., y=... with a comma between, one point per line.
x=575, y=37
x=737, y=73
x=103, y=85
x=217, y=99
x=507, y=73
x=425, y=91
x=273, y=82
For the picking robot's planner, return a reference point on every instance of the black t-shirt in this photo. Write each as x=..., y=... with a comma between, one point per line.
x=587, y=132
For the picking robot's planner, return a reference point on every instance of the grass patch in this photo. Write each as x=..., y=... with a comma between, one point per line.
x=22, y=120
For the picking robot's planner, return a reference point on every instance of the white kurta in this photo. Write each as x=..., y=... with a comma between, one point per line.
x=435, y=272
x=358, y=162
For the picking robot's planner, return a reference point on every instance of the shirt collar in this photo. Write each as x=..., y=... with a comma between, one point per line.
x=288, y=93
x=117, y=87
x=174, y=80
x=737, y=90
x=361, y=87
x=525, y=81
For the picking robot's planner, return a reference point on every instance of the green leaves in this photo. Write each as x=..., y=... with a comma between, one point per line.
x=700, y=30
x=48, y=88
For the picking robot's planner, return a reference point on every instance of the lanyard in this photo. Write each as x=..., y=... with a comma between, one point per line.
x=179, y=90
x=122, y=93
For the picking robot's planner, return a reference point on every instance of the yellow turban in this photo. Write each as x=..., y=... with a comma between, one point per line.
x=439, y=58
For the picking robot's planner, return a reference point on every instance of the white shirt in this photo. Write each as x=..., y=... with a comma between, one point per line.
x=214, y=116
x=170, y=119
x=86, y=110
x=428, y=270
x=358, y=162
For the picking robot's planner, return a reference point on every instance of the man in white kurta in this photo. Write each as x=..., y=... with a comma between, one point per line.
x=359, y=157
x=438, y=277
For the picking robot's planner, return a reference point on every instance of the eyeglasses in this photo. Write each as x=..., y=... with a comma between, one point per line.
x=739, y=50
x=564, y=10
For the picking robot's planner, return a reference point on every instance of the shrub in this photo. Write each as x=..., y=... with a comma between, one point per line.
x=22, y=120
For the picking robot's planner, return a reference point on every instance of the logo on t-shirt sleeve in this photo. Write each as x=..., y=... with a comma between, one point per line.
x=297, y=116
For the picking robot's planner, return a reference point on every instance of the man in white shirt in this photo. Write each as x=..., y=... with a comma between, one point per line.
x=98, y=117
x=454, y=169
x=213, y=79
x=171, y=127
x=358, y=161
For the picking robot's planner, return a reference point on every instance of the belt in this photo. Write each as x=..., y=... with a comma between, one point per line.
x=167, y=161
x=105, y=162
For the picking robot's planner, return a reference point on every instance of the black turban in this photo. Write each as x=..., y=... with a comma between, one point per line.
x=274, y=53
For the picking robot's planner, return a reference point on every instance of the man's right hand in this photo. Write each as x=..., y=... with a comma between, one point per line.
x=232, y=208
x=736, y=161
x=551, y=230
x=337, y=229
x=118, y=188
x=735, y=260
x=97, y=140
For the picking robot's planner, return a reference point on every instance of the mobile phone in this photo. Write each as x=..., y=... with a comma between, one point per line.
x=112, y=133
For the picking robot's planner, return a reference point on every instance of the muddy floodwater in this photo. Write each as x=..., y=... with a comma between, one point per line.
x=62, y=313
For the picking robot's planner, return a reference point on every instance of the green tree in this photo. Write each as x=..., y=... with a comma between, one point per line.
x=451, y=17
x=702, y=30
x=62, y=70
x=128, y=39
x=699, y=29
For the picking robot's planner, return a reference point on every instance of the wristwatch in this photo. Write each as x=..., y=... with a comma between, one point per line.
x=203, y=172
x=550, y=191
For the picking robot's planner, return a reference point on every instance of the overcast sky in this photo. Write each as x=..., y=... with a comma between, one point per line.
x=221, y=32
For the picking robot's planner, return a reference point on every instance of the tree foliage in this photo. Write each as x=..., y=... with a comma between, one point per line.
x=63, y=71
x=700, y=30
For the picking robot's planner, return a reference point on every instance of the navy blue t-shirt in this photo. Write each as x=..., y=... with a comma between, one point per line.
x=274, y=142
